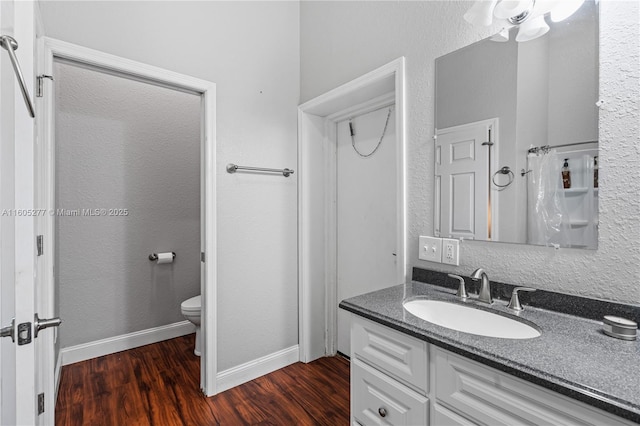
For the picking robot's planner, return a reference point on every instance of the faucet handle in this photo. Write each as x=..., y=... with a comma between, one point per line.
x=514, y=303
x=462, y=290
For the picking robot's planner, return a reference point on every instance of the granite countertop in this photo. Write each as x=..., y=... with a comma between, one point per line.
x=572, y=356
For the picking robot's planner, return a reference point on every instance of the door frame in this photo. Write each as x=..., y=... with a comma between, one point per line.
x=51, y=49
x=317, y=252
x=18, y=260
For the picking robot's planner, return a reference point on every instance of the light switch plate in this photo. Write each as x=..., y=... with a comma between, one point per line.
x=450, y=251
x=430, y=248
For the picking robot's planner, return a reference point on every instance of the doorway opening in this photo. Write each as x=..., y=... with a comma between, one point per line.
x=325, y=253
x=126, y=168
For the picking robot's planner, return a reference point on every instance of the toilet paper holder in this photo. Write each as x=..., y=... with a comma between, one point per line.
x=154, y=256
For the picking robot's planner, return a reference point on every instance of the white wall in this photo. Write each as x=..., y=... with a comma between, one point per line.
x=532, y=117
x=343, y=40
x=572, y=110
x=251, y=51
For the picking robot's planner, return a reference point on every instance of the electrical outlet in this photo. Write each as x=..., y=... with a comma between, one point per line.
x=430, y=249
x=450, y=251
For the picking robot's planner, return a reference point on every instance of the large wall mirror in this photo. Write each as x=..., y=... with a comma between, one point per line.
x=516, y=145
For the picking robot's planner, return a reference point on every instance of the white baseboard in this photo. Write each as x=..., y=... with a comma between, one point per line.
x=124, y=342
x=248, y=371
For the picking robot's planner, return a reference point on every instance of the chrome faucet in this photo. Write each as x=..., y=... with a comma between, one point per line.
x=462, y=290
x=514, y=303
x=484, y=295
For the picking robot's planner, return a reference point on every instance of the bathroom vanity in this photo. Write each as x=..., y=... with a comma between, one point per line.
x=407, y=371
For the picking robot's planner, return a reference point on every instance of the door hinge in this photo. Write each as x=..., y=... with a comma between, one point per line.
x=40, y=245
x=39, y=86
x=202, y=256
x=40, y=403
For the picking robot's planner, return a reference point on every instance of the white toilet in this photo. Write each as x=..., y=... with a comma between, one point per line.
x=191, y=310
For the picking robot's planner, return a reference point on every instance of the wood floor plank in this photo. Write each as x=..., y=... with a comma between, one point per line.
x=317, y=397
x=71, y=388
x=158, y=385
x=296, y=415
x=70, y=415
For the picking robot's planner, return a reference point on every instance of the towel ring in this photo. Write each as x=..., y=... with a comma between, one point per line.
x=503, y=171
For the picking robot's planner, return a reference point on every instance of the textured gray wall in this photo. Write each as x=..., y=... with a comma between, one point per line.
x=343, y=40
x=124, y=144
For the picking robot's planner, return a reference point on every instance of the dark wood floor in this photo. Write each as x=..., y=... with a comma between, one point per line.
x=159, y=385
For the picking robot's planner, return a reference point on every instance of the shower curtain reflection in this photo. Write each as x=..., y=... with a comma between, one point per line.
x=547, y=215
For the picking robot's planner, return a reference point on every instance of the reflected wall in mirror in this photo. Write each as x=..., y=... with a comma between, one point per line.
x=508, y=114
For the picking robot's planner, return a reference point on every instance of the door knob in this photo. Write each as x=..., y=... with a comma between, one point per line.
x=41, y=324
x=9, y=331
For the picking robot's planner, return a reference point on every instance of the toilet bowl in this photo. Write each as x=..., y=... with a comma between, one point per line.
x=191, y=309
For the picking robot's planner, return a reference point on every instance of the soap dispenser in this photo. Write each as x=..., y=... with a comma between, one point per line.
x=566, y=174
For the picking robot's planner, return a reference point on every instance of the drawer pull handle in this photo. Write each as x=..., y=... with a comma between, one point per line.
x=382, y=412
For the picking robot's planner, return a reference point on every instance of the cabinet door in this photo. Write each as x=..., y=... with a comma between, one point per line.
x=490, y=397
x=377, y=399
x=401, y=356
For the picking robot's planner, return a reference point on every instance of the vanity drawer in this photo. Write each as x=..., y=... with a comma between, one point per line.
x=399, y=355
x=379, y=400
x=445, y=417
x=494, y=398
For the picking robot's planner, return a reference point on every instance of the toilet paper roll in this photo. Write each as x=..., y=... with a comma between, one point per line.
x=165, y=258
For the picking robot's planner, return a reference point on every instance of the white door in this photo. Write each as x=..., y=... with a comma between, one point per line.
x=18, y=362
x=462, y=192
x=366, y=210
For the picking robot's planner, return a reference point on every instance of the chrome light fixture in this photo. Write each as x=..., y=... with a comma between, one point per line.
x=527, y=15
x=514, y=11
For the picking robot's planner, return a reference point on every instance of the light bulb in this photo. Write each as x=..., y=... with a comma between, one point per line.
x=481, y=13
x=564, y=8
x=532, y=28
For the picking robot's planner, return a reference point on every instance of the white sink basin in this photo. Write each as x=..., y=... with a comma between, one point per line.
x=469, y=319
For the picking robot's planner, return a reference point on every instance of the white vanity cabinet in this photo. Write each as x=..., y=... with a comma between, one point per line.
x=382, y=400
x=389, y=376
x=400, y=380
